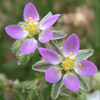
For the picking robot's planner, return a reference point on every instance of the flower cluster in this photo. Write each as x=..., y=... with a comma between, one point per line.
x=65, y=66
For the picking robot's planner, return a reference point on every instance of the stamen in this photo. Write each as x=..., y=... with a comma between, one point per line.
x=73, y=59
x=22, y=26
x=32, y=21
x=58, y=69
x=74, y=66
x=38, y=31
x=80, y=65
x=27, y=25
x=72, y=62
x=67, y=68
x=29, y=35
x=33, y=29
x=38, y=20
x=34, y=24
x=70, y=53
x=67, y=57
x=27, y=21
x=31, y=25
x=26, y=28
x=59, y=56
x=70, y=74
x=30, y=18
x=63, y=62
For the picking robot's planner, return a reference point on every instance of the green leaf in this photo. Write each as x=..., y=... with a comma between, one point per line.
x=41, y=66
x=23, y=59
x=18, y=53
x=17, y=95
x=84, y=85
x=32, y=94
x=16, y=45
x=56, y=89
x=84, y=54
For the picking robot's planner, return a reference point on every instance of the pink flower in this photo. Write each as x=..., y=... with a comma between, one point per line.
x=32, y=29
x=67, y=63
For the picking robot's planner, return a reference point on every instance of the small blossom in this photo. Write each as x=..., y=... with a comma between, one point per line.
x=67, y=62
x=32, y=29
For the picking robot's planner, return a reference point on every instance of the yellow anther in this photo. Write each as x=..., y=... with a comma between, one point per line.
x=22, y=26
x=27, y=25
x=58, y=69
x=67, y=68
x=38, y=20
x=70, y=74
x=74, y=66
x=33, y=29
x=30, y=18
x=73, y=59
x=67, y=57
x=63, y=62
x=34, y=24
x=26, y=28
x=38, y=31
x=27, y=21
x=70, y=53
x=72, y=63
x=80, y=65
x=29, y=35
x=32, y=21
x=30, y=26
x=59, y=56
x=69, y=64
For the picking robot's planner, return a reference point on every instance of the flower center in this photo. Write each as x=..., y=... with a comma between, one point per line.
x=31, y=27
x=68, y=63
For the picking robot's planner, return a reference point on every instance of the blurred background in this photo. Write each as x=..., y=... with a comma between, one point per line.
x=78, y=16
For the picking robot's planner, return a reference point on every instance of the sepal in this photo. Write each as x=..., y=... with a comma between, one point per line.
x=84, y=54
x=41, y=66
x=58, y=35
x=45, y=17
x=84, y=84
x=56, y=89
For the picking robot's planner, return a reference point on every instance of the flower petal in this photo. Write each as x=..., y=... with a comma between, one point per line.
x=50, y=56
x=52, y=75
x=15, y=31
x=87, y=68
x=49, y=22
x=29, y=46
x=31, y=11
x=71, y=45
x=45, y=36
x=71, y=82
